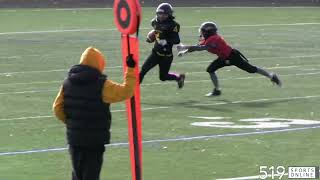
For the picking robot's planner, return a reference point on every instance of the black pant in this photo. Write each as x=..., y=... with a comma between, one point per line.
x=86, y=162
x=236, y=58
x=164, y=63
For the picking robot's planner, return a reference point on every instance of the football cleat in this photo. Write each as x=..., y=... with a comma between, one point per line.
x=275, y=79
x=215, y=92
x=181, y=80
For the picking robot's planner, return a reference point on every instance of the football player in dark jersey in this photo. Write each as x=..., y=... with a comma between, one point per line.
x=212, y=42
x=165, y=34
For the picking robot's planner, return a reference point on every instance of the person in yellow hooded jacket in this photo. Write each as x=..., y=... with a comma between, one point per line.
x=83, y=105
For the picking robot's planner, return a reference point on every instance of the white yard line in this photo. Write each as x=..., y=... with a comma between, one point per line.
x=259, y=100
x=20, y=57
x=173, y=107
x=249, y=177
x=31, y=91
x=241, y=178
x=144, y=28
x=49, y=116
x=40, y=71
x=56, y=31
x=239, y=78
x=46, y=71
x=159, y=83
x=29, y=83
x=275, y=67
x=24, y=118
x=171, y=140
x=283, y=24
x=250, y=7
x=179, y=7
x=183, y=62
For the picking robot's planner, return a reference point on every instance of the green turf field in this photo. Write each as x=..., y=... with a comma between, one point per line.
x=37, y=48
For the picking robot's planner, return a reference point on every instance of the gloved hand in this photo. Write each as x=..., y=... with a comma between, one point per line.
x=130, y=62
x=181, y=47
x=182, y=53
x=162, y=42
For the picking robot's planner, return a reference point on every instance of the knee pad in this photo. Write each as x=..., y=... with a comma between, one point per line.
x=210, y=69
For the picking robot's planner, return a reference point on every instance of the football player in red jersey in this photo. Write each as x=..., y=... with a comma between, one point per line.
x=212, y=42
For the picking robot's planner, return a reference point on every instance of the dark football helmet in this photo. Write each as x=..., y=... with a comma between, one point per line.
x=207, y=29
x=165, y=8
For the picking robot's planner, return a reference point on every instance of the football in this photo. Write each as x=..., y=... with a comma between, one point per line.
x=151, y=37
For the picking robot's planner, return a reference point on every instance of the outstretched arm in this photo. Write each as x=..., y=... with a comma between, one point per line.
x=197, y=47
x=187, y=49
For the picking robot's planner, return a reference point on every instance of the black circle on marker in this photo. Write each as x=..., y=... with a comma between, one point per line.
x=123, y=23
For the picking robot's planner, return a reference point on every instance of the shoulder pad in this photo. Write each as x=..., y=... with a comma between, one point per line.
x=176, y=23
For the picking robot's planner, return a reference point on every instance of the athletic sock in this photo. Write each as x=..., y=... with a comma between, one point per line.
x=264, y=73
x=214, y=80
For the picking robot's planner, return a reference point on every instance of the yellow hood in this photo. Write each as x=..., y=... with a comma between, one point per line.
x=94, y=58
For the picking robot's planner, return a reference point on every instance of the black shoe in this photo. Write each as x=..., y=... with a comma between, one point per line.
x=275, y=79
x=181, y=81
x=215, y=92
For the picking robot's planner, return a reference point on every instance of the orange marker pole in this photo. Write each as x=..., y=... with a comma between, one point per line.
x=127, y=18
